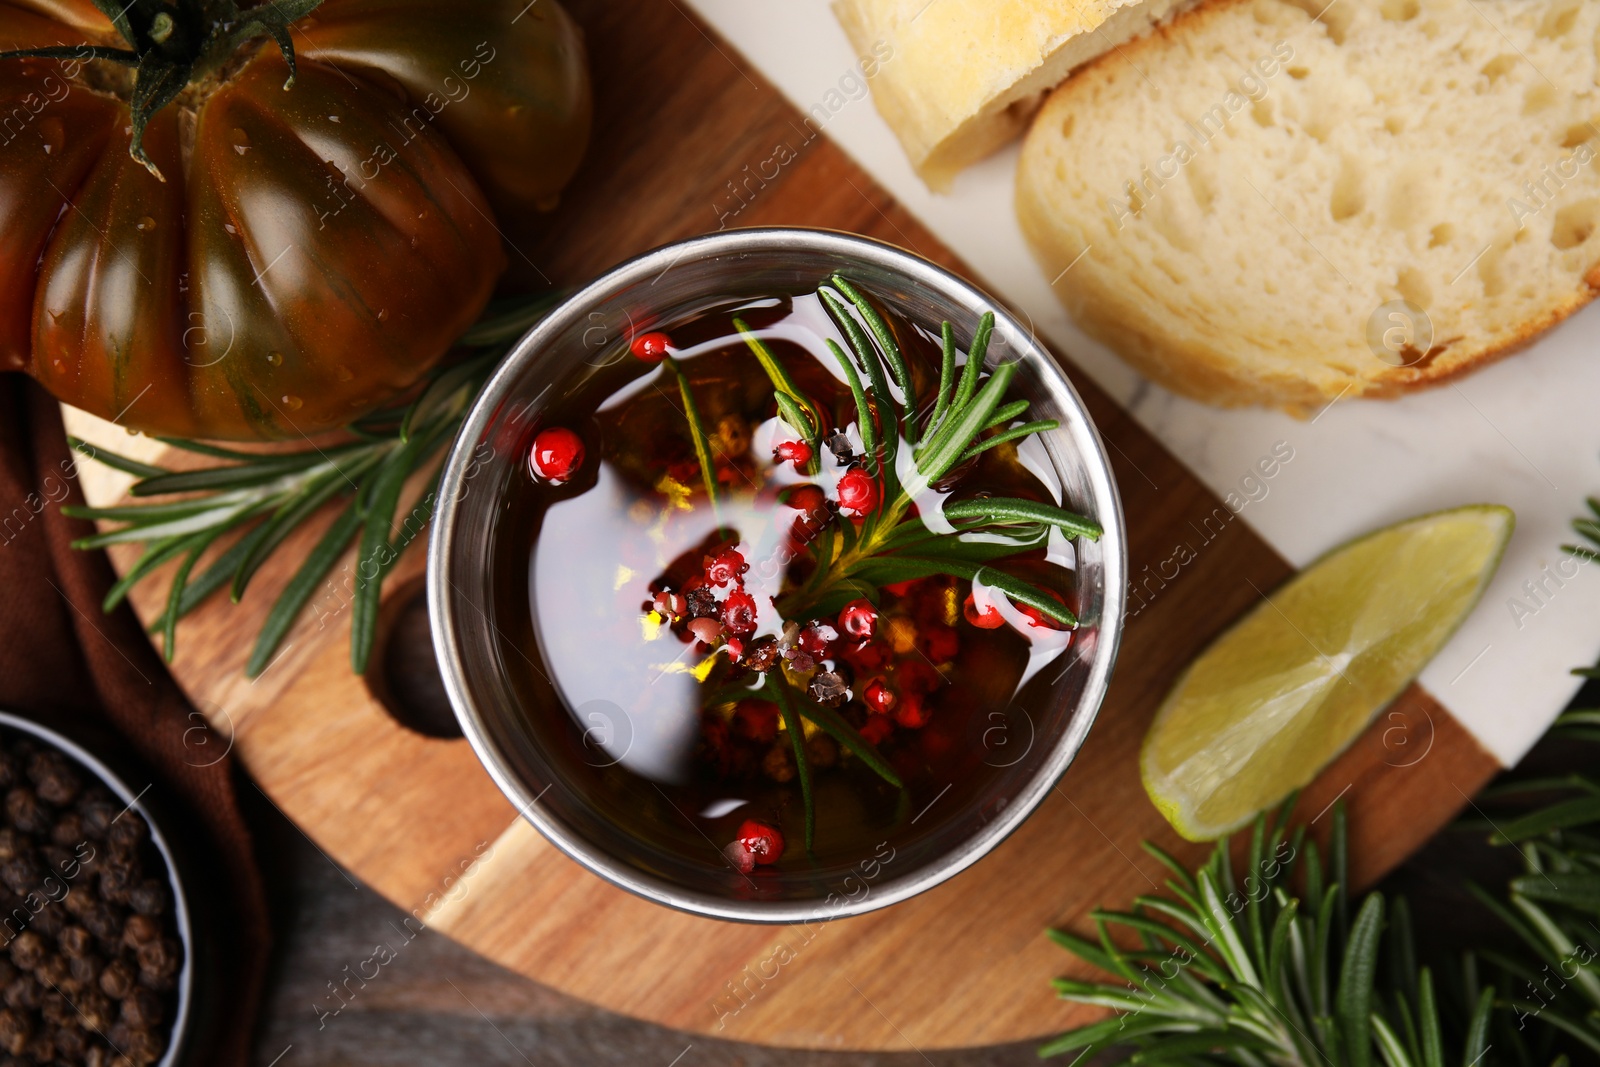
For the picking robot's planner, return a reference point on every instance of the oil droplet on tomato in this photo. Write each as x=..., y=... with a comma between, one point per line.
x=53, y=134
x=334, y=118
x=241, y=141
x=344, y=374
x=230, y=228
x=145, y=225
x=293, y=403
x=383, y=314
x=276, y=359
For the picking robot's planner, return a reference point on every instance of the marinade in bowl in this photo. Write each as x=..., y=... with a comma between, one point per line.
x=779, y=580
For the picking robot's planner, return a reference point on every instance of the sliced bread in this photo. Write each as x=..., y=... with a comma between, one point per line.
x=1280, y=203
x=956, y=79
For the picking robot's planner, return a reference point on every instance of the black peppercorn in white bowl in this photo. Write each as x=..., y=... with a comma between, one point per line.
x=95, y=931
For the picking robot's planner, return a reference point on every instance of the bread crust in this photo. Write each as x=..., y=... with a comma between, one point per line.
x=1107, y=304
x=966, y=75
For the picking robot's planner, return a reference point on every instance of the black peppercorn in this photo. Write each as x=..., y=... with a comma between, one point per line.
x=160, y=958
x=140, y=930
x=22, y=992
x=91, y=957
x=149, y=897
x=94, y=1009
x=53, y=1007
x=75, y=942
x=41, y=1048
x=53, y=775
x=49, y=922
x=142, y=1009
x=55, y=973
x=26, y=811
x=86, y=969
x=22, y=875
x=68, y=830
x=27, y=950
x=16, y=1028
x=126, y=833
x=115, y=881
x=117, y=980
x=143, y=1047
x=102, y=922
x=71, y=1043
x=97, y=815
x=78, y=902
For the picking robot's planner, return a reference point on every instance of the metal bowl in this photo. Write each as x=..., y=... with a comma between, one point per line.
x=183, y=1017
x=670, y=281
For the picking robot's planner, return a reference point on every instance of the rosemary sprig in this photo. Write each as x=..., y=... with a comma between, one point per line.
x=1245, y=971
x=970, y=415
x=264, y=497
x=1588, y=528
x=1251, y=972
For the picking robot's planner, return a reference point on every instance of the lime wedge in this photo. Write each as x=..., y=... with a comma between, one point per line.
x=1289, y=686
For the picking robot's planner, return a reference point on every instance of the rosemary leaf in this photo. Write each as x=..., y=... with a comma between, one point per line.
x=444, y=389
x=299, y=507
x=888, y=570
x=155, y=553
x=797, y=738
x=886, y=342
x=239, y=476
x=947, y=377
x=805, y=420
x=508, y=319
x=1477, y=1042
x=697, y=429
x=969, y=375
x=1000, y=509
x=195, y=546
x=299, y=589
x=944, y=449
x=861, y=344
x=142, y=514
x=1006, y=413
x=834, y=725
x=224, y=516
x=866, y=419
x=237, y=455
x=374, y=554
x=1027, y=429
x=114, y=461
x=1353, y=1002
x=796, y=417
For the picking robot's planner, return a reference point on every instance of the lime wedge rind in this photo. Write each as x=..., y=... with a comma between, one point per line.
x=1278, y=695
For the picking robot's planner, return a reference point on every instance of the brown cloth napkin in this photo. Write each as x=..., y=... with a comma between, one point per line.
x=60, y=655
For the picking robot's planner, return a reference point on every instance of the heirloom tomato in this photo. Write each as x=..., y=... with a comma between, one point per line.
x=233, y=221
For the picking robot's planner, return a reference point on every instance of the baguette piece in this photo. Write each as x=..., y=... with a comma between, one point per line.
x=1259, y=206
x=959, y=78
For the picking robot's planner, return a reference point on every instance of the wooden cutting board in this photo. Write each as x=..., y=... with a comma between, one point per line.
x=687, y=139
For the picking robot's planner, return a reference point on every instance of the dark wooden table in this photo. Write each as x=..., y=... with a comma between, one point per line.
x=679, y=124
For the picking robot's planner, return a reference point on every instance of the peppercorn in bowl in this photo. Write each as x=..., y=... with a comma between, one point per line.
x=777, y=575
x=94, y=924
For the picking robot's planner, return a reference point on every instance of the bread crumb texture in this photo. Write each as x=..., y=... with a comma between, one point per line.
x=1279, y=203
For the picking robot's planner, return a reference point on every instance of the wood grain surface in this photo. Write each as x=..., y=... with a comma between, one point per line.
x=684, y=140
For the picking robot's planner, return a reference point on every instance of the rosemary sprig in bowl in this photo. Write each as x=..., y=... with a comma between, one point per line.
x=261, y=498
x=906, y=449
